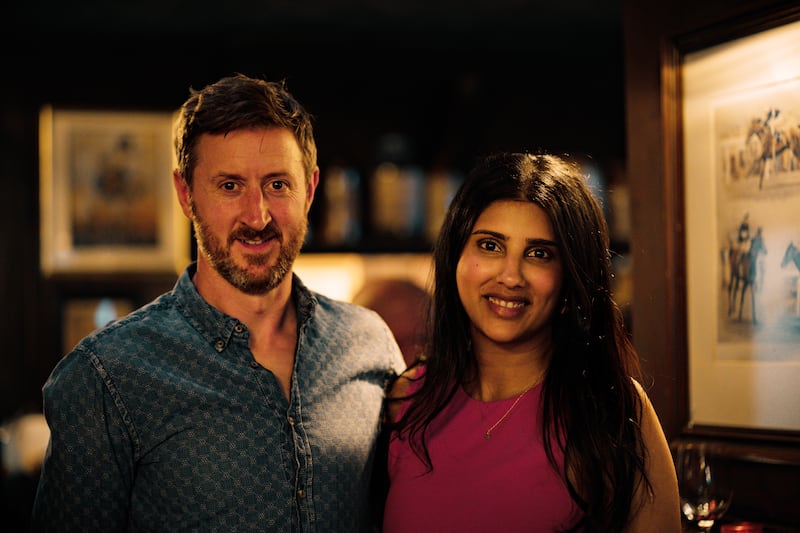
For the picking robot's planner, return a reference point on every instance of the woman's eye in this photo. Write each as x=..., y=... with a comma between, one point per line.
x=540, y=253
x=489, y=246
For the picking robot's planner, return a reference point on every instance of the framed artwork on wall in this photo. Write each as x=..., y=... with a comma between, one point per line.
x=740, y=146
x=107, y=203
x=82, y=316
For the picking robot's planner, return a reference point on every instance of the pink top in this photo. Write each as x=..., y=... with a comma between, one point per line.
x=502, y=484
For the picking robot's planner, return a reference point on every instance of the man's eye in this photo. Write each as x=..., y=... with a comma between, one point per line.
x=229, y=186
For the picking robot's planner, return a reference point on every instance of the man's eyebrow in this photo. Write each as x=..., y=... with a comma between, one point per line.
x=268, y=176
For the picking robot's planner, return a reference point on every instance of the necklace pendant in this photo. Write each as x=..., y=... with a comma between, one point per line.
x=487, y=436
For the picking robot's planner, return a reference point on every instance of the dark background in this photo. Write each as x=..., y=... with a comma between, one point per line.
x=459, y=78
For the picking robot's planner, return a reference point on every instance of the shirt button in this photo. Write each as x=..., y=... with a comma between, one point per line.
x=301, y=494
x=238, y=328
x=253, y=364
x=219, y=345
x=291, y=421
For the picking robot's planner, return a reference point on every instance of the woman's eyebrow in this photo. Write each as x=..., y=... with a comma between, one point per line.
x=489, y=232
x=503, y=237
x=542, y=242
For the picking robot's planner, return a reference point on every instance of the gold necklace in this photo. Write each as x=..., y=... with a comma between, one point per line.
x=488, y=434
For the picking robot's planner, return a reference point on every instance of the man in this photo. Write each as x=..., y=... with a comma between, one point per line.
x=240, y=400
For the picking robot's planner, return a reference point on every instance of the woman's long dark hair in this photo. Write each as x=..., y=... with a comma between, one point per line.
x=591, y=408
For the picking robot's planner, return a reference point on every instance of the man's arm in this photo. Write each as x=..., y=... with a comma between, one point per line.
x=87, y=473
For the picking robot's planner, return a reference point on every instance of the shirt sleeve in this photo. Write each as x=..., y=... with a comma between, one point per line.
x=87, y=473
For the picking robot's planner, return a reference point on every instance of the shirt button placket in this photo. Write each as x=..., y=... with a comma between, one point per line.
x=299, y=447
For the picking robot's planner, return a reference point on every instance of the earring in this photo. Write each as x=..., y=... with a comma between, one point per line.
x=565, y=307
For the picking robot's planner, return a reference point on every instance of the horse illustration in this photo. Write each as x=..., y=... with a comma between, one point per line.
x=771, y=143
x=792, y=254
x=744, y=276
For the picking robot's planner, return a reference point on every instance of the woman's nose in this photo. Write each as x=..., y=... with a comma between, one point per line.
x=510, y=273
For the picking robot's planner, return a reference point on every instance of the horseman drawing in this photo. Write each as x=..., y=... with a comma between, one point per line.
x=744, y=276
x=792, y=255
x=770, y=143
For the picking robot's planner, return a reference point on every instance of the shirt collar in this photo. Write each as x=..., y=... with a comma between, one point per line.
x=218, y=327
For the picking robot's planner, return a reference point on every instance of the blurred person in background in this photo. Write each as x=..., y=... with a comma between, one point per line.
x=403, y=305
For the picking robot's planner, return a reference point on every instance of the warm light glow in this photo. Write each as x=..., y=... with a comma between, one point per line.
x=340, y=276
x=334, y=275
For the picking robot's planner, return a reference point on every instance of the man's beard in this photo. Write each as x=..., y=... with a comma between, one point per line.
x=219, y=256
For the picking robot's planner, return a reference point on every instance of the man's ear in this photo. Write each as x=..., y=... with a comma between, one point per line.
x=311, y=188
x=183, y=193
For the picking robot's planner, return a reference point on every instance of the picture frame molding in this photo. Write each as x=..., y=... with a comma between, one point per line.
x=755, y=443
x=59, y=253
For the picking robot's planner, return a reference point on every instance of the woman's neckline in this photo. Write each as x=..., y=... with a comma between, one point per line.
x=511, y=398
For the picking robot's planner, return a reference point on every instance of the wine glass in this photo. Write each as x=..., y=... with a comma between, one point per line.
x=705, y=495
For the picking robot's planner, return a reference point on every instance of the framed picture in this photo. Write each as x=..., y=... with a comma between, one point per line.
x=106, y=197
x=740, y=116
x=82, y=316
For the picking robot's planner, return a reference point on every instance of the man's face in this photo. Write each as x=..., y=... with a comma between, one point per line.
x=249, y=204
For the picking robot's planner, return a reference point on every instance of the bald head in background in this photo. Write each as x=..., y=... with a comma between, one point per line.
x=403, y=305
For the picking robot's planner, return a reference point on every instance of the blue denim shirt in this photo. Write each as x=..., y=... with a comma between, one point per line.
x=164, y=421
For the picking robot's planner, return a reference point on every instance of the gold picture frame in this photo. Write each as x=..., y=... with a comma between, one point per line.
x=106, y=198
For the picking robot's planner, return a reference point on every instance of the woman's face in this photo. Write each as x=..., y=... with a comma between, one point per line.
x=510, y=274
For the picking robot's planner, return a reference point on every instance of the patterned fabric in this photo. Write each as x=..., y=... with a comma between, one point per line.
x=164, y=421
x=477, y=485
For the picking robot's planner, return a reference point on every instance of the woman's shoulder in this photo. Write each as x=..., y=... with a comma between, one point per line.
x=405, y=385
x=409, y=381
x=657, y=509
x=641, y=393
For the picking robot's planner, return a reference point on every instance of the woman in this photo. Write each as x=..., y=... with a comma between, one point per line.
x=526, y=413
